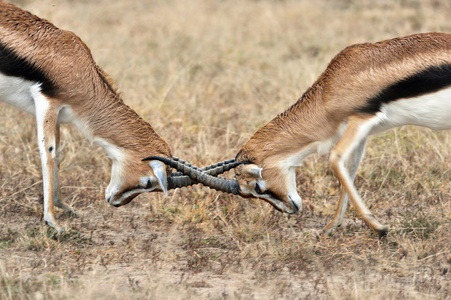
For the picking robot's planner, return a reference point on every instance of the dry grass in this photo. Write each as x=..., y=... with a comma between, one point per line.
x=207, y=74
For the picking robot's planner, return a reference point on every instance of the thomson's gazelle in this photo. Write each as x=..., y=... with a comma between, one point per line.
x=367, y=88
x=51, y=74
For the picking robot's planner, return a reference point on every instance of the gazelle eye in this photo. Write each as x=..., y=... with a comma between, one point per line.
x=145, y=185
x=258, y=189
x=149, y=184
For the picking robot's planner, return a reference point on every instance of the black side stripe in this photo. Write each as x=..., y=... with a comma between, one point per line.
x=425, y=82
x=13, y=65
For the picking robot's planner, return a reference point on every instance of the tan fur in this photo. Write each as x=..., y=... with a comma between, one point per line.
x=83, y=85
x=356, y=74
x=86, y=89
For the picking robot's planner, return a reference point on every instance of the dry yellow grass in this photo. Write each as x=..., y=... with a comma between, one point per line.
x=206, y=75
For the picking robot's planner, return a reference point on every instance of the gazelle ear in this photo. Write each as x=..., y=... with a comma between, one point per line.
x=159, y=169
x=254, y=170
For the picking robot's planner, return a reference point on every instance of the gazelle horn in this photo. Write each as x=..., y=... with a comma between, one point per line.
x=178, y=179
x=203, y=176
x=214, y=169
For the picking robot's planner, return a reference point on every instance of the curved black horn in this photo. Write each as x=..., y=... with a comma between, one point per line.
x=214, y=169
x=179, y=181
x=222, y=167
x=197, y=175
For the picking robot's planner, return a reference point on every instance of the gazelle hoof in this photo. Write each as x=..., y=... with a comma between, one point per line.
x=328, y=231
x=330, y=228
x=58, y=229
x=382, y=231
x=70, y=214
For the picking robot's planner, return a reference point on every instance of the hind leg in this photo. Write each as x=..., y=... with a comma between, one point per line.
x=57, y=196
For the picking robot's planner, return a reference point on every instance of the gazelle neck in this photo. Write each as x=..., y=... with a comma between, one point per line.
x=118, y=129
x=305, y=128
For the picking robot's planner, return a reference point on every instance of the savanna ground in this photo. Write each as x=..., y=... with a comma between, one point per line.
x=206, y=75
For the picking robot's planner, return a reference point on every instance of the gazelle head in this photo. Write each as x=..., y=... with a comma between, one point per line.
x=151, y=174
x=275, y=185
x=128, y=180
x=130, y=176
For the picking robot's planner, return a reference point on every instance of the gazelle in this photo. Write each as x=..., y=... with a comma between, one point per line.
x=366, y=88
x=51, y=74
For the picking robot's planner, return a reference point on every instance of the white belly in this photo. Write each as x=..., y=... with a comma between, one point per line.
x=431, y=110
x=16, y=91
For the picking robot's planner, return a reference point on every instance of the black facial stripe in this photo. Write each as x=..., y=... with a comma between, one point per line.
x=131, y=189
x=427, y=81
x=258, y=189
x=272, y=195
x=273, y=205
x=13, y=65
x=149, y=184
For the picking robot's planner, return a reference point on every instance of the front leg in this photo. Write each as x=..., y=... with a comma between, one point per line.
x=46, y=119
x=353, y=165
x=356, y=132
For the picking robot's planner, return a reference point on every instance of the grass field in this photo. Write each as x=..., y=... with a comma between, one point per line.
x=206, y=75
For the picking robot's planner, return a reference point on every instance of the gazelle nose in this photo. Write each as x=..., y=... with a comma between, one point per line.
x=109, y=201
x=294, y=205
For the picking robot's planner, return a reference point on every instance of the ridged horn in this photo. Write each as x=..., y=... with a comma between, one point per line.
x=222, y=167
x=213, y=170
x=199, y=176
x=179, y=180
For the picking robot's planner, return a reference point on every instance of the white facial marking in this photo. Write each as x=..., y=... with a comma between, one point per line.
x=114, y=152
x=290, y=177
x=292, y=192
x=262, y=184
x=116, y=183
x=117, y=157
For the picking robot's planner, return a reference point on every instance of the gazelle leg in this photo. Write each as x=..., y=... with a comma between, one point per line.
x=356, y=132
x=57, y=197
x=46, y=119
x=353, y=165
